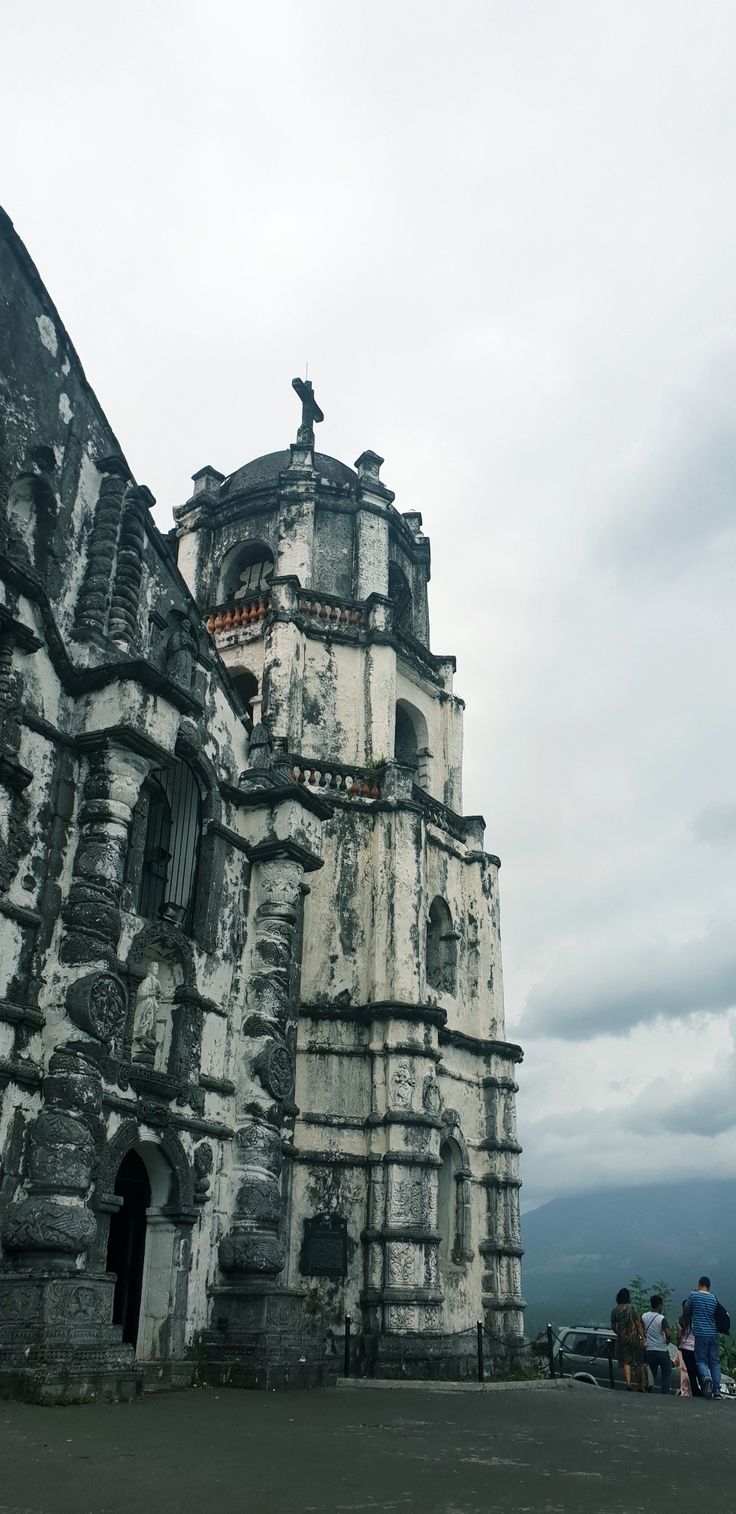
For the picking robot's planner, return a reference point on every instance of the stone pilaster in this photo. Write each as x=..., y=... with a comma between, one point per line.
x=501, y=1249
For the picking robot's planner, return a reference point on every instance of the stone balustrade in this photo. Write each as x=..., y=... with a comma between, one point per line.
x=242, y=613
x=347, y=781
x=466, y=828
x=332, y=614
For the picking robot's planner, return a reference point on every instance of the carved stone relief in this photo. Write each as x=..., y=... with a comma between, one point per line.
x=403, y=1083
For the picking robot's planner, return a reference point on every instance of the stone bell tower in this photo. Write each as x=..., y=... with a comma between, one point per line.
x=393, y=1178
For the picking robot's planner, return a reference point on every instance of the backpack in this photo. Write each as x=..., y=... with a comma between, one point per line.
x=722, y=1320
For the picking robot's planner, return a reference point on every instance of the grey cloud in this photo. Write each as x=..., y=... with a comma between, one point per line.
x=531, y=323
x=569, y=1153
x=716, y=825
x=673, y=1104
x=676, y=497
x=599, y=993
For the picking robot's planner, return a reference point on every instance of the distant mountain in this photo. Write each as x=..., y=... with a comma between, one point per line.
x=580, y=1250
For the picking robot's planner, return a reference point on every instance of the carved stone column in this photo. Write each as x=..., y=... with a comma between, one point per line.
x=91, y=914
x=57, y=1339
x=124, y=620
x=94, y=595
x=261, y=1336
x=254, y=1247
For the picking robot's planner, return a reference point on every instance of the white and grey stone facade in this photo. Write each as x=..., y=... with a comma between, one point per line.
x=253, y=1067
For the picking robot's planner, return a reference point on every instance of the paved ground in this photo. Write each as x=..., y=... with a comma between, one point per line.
x=370, y=1452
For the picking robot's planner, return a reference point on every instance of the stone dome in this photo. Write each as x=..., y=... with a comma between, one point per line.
x=263, y=472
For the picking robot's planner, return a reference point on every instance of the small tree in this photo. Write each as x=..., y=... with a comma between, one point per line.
x=665, y=1290
x=640, y=1295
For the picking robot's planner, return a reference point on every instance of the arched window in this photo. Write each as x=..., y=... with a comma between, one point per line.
x=399, y=592
x=453, y=1203
x=170, y=806
x=247, y=571
x=245, y=685
x=447, y=1201
x=410, y=732
x=441, y=948
x=405, y=738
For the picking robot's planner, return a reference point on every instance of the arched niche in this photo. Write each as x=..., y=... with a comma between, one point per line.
x=441, y=948
x=410, y=733
x=160, y=964
x=245, y=572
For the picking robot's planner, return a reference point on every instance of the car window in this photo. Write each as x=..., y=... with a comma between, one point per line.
x=578, y=1344
x=602, y=1343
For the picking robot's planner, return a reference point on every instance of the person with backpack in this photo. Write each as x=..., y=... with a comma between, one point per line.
x=702, y=1308
x=656, y=1341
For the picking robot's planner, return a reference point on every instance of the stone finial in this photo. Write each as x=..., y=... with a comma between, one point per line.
x=368, y=467
x=207, y=480
x=413, y=520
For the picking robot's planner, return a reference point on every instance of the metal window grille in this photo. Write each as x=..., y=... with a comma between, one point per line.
x=171, y=851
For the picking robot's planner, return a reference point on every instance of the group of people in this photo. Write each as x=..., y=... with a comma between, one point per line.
x=643, y=1341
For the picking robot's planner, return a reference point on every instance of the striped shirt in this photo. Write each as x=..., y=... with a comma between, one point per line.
x=703, y=1313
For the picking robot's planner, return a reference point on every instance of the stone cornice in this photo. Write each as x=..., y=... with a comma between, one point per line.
x=264, y=798
x=384, y=1009
x=508, y=1051
x=292, y=851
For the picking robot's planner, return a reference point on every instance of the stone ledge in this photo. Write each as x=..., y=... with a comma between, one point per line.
x=402, y=1384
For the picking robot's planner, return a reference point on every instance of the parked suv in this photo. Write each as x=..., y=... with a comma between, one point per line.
x=584, y=1352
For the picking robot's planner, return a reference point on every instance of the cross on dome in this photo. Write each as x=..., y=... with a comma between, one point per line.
x=310, y=411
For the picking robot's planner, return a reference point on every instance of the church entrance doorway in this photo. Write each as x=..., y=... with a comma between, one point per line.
x=126, y=1248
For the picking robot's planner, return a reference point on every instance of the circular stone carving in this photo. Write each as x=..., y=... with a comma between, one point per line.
x=276, y=1070
x=97, y=1003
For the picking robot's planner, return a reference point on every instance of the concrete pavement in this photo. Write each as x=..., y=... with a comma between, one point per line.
x=579, y=1451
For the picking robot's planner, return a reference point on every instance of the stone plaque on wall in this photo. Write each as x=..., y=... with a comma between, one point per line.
x=324, y=1247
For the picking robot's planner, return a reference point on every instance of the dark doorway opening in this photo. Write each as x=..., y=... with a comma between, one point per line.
x=126, y=1247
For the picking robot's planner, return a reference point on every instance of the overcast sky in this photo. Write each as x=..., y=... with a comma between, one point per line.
x=503, y=235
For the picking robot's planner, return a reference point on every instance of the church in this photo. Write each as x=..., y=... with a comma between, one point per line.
x=253, y=1068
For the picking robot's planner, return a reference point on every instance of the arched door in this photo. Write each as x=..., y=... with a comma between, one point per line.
x=126, y=1247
